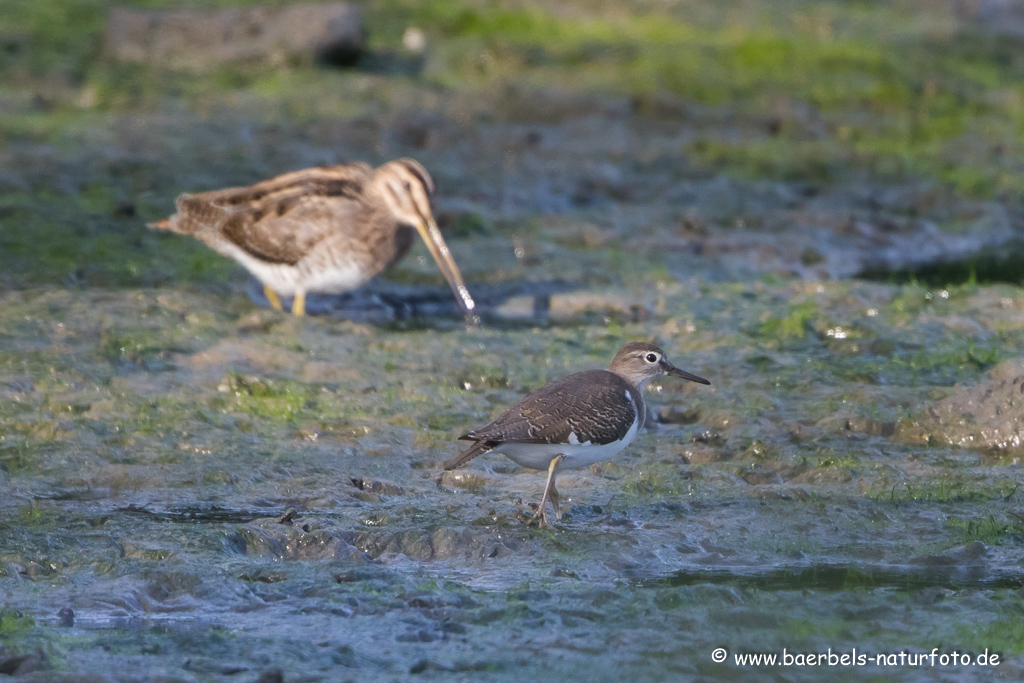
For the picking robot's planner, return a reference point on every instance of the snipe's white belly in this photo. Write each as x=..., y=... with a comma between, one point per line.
x=306, y=276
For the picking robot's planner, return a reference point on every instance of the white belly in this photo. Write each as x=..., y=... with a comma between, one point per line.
x=286, y=279
x=539, y=456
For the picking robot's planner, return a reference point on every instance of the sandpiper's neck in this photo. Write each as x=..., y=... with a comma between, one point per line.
x=638, y=384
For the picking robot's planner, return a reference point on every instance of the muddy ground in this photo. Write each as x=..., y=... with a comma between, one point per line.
x=194, y=487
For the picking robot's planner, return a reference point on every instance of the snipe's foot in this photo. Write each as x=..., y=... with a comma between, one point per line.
x=299, y=304
x=272, y=297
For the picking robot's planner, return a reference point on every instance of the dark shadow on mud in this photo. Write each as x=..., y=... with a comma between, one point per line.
x=186, y=514
x=837, y=578
x=993, y=265
x=389, y=63
x=404, y=307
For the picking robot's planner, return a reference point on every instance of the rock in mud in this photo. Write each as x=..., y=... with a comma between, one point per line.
x=196, y=40
x=67, y=617
x=19, y=665
x=988, y=417
x=972, y=554
x=296, y=540
x=429, y=545
x=271, y=676
x=377, y=486
x=702, y=454
x=757, y=476
x=465, y=479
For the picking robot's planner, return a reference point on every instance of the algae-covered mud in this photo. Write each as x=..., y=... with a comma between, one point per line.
x=212, y=489
x=794, y=201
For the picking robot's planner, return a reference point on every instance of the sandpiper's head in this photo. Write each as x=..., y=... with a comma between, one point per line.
x=639, y=362
x=407, y=188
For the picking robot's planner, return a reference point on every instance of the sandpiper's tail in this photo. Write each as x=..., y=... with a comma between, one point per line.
x=477, y=449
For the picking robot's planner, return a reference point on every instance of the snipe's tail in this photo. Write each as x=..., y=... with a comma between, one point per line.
x=194, y=214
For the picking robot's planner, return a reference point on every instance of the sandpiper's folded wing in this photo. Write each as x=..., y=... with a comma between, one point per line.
x=596, y=407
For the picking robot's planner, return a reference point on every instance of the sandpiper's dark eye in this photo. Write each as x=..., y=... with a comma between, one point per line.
x=651, y=358
x=407, y=186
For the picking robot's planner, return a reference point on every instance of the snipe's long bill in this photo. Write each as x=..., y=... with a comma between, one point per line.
x=581, y=419
x=325, y=229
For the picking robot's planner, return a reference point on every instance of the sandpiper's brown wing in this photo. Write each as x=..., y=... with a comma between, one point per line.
x=594, y=406
x=278, y=220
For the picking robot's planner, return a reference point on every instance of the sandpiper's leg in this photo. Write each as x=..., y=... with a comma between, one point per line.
x=541, y=515
x=272, y=298
x=299, y=303
x=553, y=495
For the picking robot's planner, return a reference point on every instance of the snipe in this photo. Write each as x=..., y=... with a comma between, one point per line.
x=325, y=229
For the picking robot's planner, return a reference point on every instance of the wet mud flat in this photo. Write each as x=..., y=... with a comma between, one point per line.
x=195, y=488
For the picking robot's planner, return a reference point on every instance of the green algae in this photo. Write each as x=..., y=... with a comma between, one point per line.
x=37, y=516
x=20, y=458
x=14, y=624
x=277, y=400
x=796, y=323
x=949, y=491
x=655, y=482
x=989, y=529
x=917, y=89
x=1003, y=634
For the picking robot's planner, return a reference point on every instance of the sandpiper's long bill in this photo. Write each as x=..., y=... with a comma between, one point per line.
x=321, y=229
x=576, y=421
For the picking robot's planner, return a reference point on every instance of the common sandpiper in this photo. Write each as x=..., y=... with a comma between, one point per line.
x=576, y=421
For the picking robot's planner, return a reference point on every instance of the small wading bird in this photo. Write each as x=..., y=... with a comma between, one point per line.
x=579, y=420
x=321, y=229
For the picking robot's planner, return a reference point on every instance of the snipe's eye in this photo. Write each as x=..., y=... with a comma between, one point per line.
x=406, y=184
x=651, y=358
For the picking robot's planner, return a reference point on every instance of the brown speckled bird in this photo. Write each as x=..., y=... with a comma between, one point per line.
x=576, y=421
x=325, y=229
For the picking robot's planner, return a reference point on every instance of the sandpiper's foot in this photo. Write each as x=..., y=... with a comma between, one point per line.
x=299, y=304
x=272, y=298
x=541, y=518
